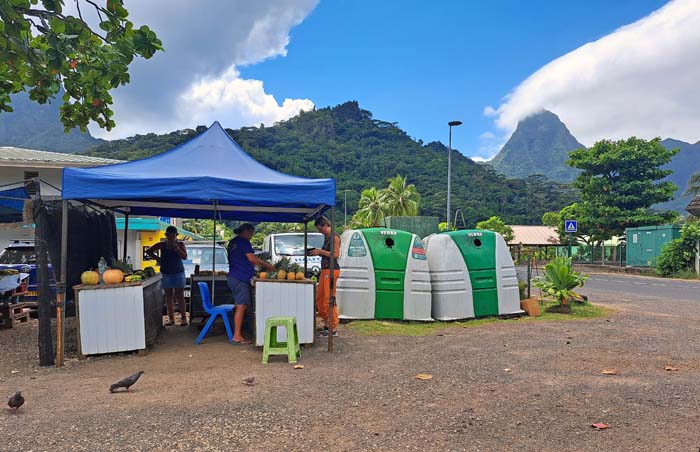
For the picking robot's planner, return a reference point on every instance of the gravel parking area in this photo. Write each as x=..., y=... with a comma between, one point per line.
x=366, y=396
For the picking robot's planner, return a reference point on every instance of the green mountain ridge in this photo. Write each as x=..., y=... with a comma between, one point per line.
x=540, y=145
x=345, y=142
x=35, y=126
x=683, y=164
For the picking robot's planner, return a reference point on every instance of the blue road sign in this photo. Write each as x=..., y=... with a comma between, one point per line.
x=570, y=226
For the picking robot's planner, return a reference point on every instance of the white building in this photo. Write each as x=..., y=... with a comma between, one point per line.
x=18, y=165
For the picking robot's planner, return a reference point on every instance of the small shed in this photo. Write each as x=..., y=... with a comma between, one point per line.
x=644, y=243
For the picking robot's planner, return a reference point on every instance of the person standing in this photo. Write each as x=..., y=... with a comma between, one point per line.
x=169, y=255
x=242, y=262
x=323, y=225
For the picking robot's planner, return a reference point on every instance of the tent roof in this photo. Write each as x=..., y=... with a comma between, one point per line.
x=187, y=181
x=12, y=203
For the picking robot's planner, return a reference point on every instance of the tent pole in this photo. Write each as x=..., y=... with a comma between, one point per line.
x=126, y=234
x=61, y=286
x=331, y=297
x=213, y=258
x=306, y=245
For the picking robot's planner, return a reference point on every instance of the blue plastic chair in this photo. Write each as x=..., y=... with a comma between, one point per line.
x=213, y=311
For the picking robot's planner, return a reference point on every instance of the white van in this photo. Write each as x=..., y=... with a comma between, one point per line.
x=291, y=246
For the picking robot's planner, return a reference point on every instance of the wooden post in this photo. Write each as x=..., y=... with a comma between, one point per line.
x=126, y=234
x=331, y=296
x=46, y=355
x=61, y=287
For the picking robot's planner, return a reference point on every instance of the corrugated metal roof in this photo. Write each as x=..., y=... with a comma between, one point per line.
x=28, y=157
x=534, y=235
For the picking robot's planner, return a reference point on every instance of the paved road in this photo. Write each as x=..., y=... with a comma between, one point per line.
x=644, y=286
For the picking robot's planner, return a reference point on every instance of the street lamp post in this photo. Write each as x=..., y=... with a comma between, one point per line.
x=449, y=171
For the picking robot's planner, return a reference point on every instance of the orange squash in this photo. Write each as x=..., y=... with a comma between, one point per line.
x=291, y=276
x=263, y=275
x=113, y=276
x=90, y=278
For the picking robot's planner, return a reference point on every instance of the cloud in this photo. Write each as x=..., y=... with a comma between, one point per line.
x=639, y=80
x=197, y=80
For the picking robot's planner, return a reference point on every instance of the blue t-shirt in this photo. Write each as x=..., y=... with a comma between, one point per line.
x=239, y=266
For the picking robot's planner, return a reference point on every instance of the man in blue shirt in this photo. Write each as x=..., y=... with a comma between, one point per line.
x=241, y=269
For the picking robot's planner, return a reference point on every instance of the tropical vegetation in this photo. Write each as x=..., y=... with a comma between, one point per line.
x=495, y=224
x=678, y=256
x=560, y=279
x=43, y=49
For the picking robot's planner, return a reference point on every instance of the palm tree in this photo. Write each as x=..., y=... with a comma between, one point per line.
x=401, y=199
x=370, y=208
x=693, y=185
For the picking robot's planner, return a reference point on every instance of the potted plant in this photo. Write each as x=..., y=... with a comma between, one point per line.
x=559, y=281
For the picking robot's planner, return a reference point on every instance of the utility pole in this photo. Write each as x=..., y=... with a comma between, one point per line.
x=449, y=171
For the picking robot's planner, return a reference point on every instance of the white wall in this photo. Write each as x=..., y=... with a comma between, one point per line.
x=10, y=174
x=133, y=247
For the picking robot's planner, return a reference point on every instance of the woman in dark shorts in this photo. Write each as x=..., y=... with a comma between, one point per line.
x=241, y=269
x=170, y=257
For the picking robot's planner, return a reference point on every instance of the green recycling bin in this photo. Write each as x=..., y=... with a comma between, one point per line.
x=384, y=275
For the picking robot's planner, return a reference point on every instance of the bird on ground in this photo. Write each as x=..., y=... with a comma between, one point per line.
x=16, y=401
x=127, y=382
x=250, y=381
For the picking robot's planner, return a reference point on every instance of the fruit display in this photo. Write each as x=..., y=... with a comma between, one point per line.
x=133, y=278
x=90, y=278
x=209, y=273
x=8, y=272
x=284, y=270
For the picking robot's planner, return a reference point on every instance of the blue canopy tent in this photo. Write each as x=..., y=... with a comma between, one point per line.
x=207, y=176
x=12, y=203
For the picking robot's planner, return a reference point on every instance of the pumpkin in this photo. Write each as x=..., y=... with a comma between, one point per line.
x=281, y=274
x=113, y=276
x=300, y=276
x=90, y=278
x=263, y=275
x=291, y=276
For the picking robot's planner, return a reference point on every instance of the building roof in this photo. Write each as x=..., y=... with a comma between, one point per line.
x=10, y=156
x=534, y=236
x=151, y=224
x=694, y=206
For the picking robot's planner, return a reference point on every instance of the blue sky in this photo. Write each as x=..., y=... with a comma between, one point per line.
x=424, y=63
x=609, y=69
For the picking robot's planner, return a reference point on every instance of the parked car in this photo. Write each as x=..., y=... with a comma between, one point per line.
x=291, y=246
x=202, y=253
x=21, y=254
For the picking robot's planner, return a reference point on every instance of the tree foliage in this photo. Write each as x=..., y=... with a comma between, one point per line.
x=400, y=198
x=693, y=187
x=550, y=219
x=560, y=279
x=497, y=225
x=619, y=182
x=678, y=255
x=42, y=49
x=371, y=209
x=346, y=143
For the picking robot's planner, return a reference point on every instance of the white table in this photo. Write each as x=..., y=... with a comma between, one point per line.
x=285, y=298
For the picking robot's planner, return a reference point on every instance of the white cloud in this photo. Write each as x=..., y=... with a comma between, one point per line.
x=196, y=80
x=640, y=80
x=240, y=101
x=487, y=136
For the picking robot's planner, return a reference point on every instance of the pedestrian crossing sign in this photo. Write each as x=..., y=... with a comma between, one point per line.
x=570, y=226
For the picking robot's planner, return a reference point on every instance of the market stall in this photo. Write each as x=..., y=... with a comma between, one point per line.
x=118, y=317
x=209, y=176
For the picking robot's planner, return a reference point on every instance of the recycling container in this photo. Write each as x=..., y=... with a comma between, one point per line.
x=384, y=274
x=472, y=275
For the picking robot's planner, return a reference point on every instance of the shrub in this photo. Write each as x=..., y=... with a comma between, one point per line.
x=560, y=279
x=678, y=255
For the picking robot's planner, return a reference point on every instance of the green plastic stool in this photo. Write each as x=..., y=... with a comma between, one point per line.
x=290, y=348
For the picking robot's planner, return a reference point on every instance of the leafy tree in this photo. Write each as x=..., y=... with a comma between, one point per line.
x=678, y=255
x=619, y=182
x=550, y=219
x=42, y=50
x=205, y=228
x=371, y=209
x=693, y=187
x=400, y=198
x=497, y=225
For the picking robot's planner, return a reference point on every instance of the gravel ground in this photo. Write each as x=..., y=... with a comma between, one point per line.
x=365, y=395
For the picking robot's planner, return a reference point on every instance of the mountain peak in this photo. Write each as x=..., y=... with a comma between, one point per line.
x=540, y=145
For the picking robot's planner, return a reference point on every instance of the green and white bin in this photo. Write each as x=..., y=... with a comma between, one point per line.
x=472, y=275
x=384, y=275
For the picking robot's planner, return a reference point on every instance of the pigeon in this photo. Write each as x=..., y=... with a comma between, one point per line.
x=250, y=381
x=16, y=401
x=127, y=382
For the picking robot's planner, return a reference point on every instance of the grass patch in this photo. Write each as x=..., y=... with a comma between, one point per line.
x=396, y=328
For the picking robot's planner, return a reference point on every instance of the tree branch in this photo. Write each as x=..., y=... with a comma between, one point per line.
x=42, y=14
